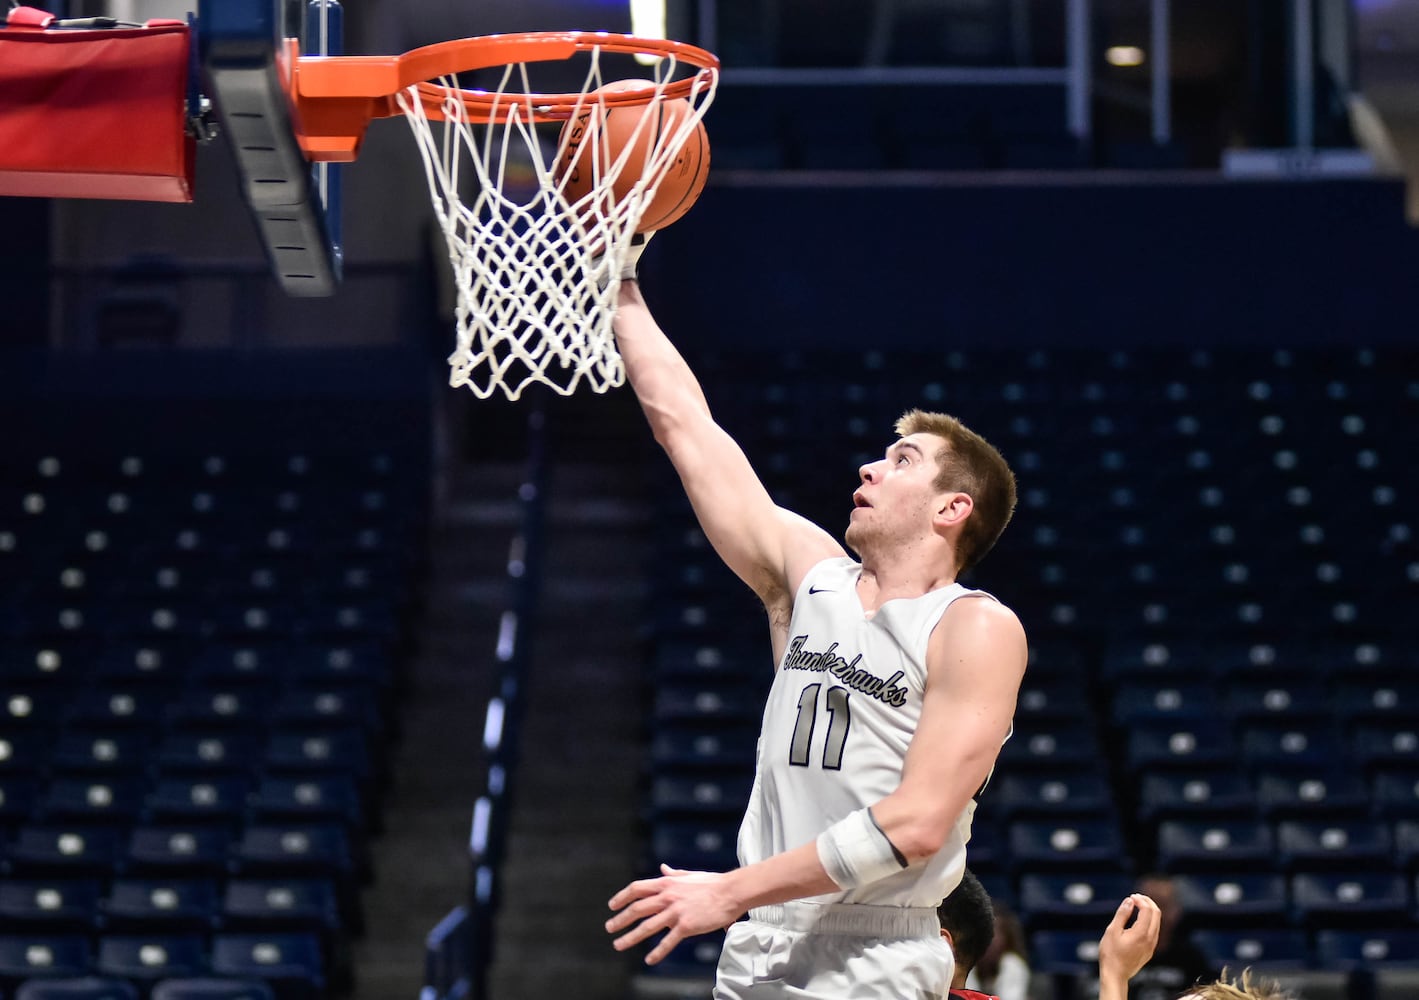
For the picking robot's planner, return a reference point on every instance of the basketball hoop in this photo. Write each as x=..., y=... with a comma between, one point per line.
x=536, y=271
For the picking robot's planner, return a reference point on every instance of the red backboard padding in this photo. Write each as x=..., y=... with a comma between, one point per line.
x=95, y=114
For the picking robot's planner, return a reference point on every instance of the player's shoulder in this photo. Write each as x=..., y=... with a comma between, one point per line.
x=977, y=628
x=976, y=608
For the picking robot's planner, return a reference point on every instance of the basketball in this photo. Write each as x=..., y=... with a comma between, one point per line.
x=684, y=179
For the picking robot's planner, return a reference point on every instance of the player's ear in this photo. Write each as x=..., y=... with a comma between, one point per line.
x=952, y=509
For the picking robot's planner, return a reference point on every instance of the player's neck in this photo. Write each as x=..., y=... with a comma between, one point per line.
x=886, y=577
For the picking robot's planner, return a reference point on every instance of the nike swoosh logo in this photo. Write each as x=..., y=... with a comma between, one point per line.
x=820, y=590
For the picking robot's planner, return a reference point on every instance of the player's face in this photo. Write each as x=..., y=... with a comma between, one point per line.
x=898, y=495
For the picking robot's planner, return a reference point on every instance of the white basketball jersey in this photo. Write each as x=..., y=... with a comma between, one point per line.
x=843, y=707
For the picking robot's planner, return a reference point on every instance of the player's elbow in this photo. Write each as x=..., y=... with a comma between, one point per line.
x=921, y=838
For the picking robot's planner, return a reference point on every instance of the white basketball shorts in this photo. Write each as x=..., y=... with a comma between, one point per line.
x=835, y=951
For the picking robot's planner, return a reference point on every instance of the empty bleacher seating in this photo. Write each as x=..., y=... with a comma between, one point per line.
x=198, y=652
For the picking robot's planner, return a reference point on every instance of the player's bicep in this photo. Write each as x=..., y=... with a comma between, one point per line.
x=976, y=659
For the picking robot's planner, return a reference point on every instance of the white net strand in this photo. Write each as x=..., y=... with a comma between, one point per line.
x=537, y=280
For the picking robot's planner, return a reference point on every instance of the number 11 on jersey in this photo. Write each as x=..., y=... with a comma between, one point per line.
x=839, y=721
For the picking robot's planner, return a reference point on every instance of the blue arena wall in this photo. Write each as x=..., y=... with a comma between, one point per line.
x=1040, y=262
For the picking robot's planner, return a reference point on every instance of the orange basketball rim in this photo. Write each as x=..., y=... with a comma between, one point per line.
x=334, y=98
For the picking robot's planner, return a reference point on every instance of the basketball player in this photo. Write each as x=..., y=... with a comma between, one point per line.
x=1242, y=988
x=968, y=923
x=894, y=691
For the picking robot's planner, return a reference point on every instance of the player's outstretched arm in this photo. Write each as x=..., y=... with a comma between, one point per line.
x=767, y=547
x=1126, y=947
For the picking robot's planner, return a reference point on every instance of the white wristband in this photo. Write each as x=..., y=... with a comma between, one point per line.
x=854, y=851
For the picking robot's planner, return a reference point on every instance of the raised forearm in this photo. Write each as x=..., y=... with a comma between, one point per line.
x=667, y=389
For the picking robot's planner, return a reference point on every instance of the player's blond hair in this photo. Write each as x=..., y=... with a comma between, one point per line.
x=1242, y=988
x=968, y=464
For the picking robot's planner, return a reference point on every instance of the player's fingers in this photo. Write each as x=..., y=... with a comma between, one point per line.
x=1121, y=915
x=641, y=931
x=667, y=943
x=640, y=908
x=667, y=870
x=1149, y=919
x=636, y=890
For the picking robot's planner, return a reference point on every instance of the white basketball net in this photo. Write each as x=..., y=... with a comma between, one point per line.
x=536, y=292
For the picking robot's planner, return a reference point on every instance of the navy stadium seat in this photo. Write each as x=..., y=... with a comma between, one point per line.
x=1050, y=746
x=207, y=798
x=1194, y=793
x=47, y=850
x=147, y=958
x=1077, y=794
x=1329, y=899
x=92, y=800
x=1289, y=743
x=1386, y=744
x=116, y=708
x=1347, y=844
x=1071, y=900
x=100, y=752
x=1366, y=699
x=701, y=747
x=696, y=846
x=1298, y=701
x=46, y=906
x=705, y=704
x=1297, y=793
x=289, y=963
x=1195, y=743
x=702, y=795
x=1255, y=900
x=31, y=955
x=206, y=752
x=1368, y=949
x=300, y=904
x=1215, y=845
x=1162, y=703
x=161, y=905
x=1063, y=845
x=325, y=750
x=177, y=851
x=1262, y=949
x=1047, y=699
x=310, y=798
x=212, y=709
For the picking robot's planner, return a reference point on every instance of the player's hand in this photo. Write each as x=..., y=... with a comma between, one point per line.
x=1125, y=948
x=680, y=903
